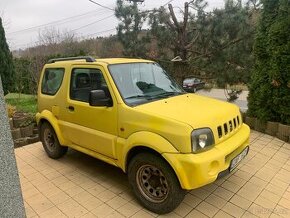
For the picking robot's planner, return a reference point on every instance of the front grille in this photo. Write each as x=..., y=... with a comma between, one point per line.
x=228, y=126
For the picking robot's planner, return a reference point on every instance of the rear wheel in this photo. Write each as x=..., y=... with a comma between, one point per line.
x=154, y=183
x=50, y=142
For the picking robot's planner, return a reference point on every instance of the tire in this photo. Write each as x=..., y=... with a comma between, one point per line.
x=154, y=183
x=50, y=142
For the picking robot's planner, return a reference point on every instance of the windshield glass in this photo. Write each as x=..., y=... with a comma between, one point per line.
x=142, y=82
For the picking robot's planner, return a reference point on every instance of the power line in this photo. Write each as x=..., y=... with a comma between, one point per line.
x=65, y=20
x=93, y=22
x=103, y=6
x=167, y=3
x=79, y=37
x=104, y=31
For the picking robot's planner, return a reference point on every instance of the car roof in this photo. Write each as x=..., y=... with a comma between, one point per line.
x=103, y=61
x=121, y=60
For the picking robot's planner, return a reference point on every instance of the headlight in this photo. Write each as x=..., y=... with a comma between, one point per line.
x=201, y=139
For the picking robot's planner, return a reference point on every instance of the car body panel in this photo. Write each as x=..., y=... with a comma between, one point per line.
x=196, y=170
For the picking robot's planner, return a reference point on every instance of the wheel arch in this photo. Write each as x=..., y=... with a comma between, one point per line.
x=47, y=116
x=140, y=149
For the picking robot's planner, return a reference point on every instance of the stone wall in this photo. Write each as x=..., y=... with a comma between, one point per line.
x=23, y=129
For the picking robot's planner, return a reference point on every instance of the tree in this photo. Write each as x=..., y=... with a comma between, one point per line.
x=269, y=97
x=216, y=44
x=6, y=63
x=130, y=29
x=177, y=36
x=224, y=47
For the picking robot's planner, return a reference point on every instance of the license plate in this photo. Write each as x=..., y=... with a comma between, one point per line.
x=235, y=162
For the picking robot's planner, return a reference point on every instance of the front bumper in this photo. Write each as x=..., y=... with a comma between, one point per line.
x=196, y=170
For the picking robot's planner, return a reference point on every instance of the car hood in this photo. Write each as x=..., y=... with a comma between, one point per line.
x=196, y=111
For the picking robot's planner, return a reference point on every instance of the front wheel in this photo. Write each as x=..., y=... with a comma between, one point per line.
x=50, y=142
x=154, y=183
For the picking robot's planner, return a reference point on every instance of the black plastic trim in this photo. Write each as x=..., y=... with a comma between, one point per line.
x=87, y=58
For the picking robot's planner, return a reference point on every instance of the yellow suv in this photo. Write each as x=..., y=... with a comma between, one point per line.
x=131, y=114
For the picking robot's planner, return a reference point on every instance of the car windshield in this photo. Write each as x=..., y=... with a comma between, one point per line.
x=143, y=82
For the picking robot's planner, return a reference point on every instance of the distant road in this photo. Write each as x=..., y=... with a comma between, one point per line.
x=219, y=94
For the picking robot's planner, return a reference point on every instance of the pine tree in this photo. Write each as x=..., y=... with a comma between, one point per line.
x=130, y=29
x=269, y=97
x=6, y=63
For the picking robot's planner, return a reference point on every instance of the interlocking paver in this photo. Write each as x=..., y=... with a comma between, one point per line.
x=80, y=186
x=183, y=209
x=117, y=202
x=59, y=198
x=201, y=193
x=282, y=211
x=233, y=187
x=129, y=209
x=241, y=202
x=142, y=214
x=207, y=209
x=222, y=214
x=72, y=209
x=196, y=213
x=223, y=193
x=52, y=212
x=191, y=200
x=216, y=201
x=285, y=203
x=39, y=203
x=233, y=210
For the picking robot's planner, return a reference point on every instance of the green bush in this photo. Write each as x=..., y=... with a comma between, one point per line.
x=269, y=97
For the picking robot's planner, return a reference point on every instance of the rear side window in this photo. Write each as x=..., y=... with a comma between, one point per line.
x=52, y=80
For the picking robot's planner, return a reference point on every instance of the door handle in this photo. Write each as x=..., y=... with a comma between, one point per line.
x=71, y=108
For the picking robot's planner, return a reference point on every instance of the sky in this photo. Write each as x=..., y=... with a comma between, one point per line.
x=23, y=20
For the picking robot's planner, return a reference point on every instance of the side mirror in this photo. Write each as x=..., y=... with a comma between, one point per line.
x=99, y=98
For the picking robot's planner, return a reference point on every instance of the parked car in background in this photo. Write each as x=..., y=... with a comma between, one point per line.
x=192, y=84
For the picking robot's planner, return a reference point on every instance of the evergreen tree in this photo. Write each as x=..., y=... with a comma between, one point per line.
x=227, y=38
x=6, y=63
x=269, y=97
x=215, y=44
x=130, y=29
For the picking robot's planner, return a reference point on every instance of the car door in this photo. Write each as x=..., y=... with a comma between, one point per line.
x=91, y=127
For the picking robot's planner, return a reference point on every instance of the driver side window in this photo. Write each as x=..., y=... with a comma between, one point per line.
x=83, y=80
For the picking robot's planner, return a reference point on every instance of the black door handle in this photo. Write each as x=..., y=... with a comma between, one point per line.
x=71, y=108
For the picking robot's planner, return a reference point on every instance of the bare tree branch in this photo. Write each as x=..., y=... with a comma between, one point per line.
x=185, y=18
x=173, y=16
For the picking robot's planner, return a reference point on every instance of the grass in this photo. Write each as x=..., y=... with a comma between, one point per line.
x=22, y=102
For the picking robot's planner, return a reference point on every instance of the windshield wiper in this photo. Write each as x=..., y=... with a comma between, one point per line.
x=138, y=96
x=167, y=94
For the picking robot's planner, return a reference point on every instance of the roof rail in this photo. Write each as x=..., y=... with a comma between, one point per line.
x=87, y=58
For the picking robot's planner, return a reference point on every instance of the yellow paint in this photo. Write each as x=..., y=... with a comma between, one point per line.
x=165, y=126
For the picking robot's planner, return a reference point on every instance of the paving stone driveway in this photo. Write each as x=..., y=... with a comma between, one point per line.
x=80, y=186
